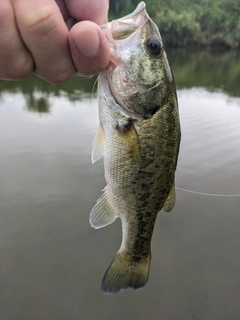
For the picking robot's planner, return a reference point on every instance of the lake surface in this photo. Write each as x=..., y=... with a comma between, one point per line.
x=52, y=261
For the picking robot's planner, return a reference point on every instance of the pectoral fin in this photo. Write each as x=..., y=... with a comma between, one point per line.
x=98, y=145
x=170, y=202
x=103, y=212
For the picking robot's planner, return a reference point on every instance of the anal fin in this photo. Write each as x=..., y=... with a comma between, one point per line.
x=103, y=212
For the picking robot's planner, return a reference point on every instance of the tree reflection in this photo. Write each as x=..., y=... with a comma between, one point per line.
x=212, y=70
x=40, y=105
x=37, y=92
x=207, y=69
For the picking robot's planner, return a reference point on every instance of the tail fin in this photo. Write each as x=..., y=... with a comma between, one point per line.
x=125, y=272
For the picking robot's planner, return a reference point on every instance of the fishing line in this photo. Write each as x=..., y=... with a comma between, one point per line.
x=208, y=194
x=94, y=85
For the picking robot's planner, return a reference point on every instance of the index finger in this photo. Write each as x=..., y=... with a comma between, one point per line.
x=45, y=35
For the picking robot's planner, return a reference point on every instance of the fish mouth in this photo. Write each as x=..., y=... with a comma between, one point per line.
x=121, y=28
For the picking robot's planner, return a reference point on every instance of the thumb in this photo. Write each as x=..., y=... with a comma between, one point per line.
x=89, y=48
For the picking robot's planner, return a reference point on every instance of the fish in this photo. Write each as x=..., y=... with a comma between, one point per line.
x=138, y=138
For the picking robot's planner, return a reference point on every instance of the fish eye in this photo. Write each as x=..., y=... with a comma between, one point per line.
x=154, y=47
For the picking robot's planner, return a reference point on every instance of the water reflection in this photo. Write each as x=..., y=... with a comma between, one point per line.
x=210, y=70
x=207, y=69
x=37, y=92
x=40, y=104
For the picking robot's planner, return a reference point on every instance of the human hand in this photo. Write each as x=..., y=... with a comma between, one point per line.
x=42, y=36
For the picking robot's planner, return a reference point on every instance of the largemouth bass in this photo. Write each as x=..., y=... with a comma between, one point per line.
x=138, y=137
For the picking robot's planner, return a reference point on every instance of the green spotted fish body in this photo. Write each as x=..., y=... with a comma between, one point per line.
x=138, y=137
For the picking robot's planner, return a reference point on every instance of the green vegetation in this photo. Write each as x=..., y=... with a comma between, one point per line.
x=195, y=23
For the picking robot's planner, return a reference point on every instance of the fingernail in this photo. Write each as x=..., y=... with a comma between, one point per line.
x=83, y=76
x=88, y=44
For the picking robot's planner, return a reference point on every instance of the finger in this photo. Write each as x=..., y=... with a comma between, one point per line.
x=45, y=34
x=89, y=48
x=15, y=60
x=62, y=6
x=93, y=10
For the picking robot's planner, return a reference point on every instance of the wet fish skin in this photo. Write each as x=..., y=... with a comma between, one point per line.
x=139, y=139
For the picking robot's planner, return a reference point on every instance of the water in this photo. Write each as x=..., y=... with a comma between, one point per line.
x=51, y=261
